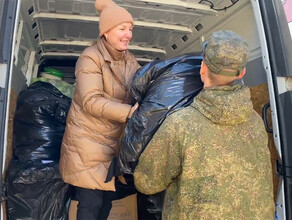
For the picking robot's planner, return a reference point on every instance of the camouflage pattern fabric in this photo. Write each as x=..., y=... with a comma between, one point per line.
x=66, y=88
x=212, y=158
x=226, y=53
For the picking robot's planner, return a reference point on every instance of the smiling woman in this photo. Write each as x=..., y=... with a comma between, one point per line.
x=99, y=112
x=120, y=36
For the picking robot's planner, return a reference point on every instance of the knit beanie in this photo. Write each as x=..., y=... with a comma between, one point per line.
x=111, y=15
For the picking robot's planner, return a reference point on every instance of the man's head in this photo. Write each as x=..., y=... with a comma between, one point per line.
x=226, y=55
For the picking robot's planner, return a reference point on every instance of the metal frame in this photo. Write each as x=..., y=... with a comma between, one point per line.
x=9, y=18
x=276, y=50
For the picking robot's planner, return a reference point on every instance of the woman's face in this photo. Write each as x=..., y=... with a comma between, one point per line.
x=120, y=36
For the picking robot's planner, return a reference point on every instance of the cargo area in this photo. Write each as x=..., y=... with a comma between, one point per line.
x=53, y=33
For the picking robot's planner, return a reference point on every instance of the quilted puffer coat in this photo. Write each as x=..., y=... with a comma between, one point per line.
x=97, y=115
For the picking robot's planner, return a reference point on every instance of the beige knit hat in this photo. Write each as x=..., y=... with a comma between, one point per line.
x=111, y=15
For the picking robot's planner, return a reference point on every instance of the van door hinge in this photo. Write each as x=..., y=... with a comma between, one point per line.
x=3, y=191
x=285, y=171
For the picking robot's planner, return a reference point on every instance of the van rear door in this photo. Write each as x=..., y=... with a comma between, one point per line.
x=277, y=58
x=8, y=13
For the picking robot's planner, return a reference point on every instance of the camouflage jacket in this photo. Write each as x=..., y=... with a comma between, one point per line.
x=212, y=158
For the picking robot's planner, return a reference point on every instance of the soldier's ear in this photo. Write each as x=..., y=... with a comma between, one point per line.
x=242, y=73
x=203, y=68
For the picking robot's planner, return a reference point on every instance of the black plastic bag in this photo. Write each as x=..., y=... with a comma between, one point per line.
x=36, y=191
x=160, y=87
x=39, y=122
x=150, y=206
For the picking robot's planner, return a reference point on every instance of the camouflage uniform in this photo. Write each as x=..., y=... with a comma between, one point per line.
x=212, y=158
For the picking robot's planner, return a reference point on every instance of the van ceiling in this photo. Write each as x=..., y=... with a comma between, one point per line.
x=63, y=28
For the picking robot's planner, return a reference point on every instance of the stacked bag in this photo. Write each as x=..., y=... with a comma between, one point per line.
x=35, y=189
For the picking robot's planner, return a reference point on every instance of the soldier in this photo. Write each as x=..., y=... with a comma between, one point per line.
x=212, y=157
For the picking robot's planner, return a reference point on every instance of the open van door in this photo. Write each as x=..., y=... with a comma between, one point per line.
x=277, y=58
x=8, y=17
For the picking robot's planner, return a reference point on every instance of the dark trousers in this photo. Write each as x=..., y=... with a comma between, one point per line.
x=93, y=204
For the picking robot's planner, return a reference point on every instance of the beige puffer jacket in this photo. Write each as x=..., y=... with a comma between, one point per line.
x=97, y=115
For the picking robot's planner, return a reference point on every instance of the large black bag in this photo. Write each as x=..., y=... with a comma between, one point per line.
x=39, y=122
x=36, y=191
x=160, y=87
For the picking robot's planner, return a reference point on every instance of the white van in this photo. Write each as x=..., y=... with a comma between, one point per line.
x=52, y=33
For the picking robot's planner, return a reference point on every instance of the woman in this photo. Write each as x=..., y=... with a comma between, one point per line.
x=99, y=112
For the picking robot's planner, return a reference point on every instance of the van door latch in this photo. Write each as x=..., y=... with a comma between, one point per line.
x=285, y=171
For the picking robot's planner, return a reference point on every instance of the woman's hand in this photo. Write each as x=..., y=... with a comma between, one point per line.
x=133, y=109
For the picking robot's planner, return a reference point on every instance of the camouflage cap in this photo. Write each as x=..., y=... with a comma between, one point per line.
x=226, y=53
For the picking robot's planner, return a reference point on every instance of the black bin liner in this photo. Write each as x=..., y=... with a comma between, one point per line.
x=39, y=122
x=161, y=87
x=150, y=206
x=36, y=191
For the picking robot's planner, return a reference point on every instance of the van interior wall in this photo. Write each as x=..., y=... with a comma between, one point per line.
x=18, y=83
x=36, y=34
x=240, y=20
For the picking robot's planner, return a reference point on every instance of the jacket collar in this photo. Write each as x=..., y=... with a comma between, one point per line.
x=226, y=105
x=118, y=75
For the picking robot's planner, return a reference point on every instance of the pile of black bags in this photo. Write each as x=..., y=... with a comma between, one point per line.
x=35, y=189
x=39, y=122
